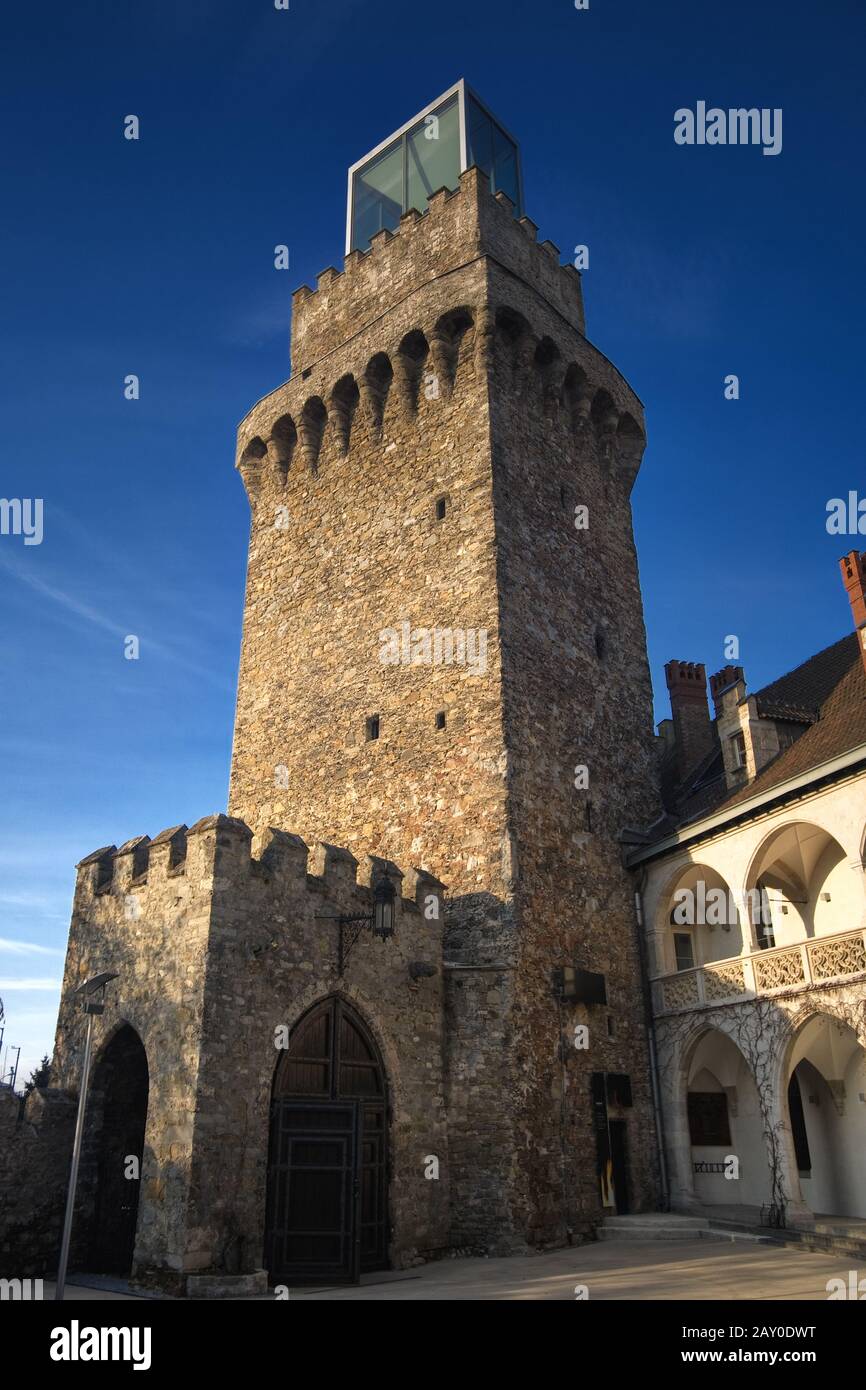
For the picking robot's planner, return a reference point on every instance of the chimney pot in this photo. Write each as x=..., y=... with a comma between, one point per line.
x=853, y=569
x=720, y=682
x=687, y=683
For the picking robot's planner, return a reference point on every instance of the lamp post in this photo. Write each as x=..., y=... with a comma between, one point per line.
x=92, y=994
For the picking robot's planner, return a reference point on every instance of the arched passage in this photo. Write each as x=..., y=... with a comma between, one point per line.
x=724, y=1122
x=806, y=884
x=117, y=1118
x=327, y=1203
x=699, y=921
x=825, y=1080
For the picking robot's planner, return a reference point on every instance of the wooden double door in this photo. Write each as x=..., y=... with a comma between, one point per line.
x=327, y=1207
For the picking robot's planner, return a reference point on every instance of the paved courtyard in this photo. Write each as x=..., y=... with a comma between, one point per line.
x=689, y=1269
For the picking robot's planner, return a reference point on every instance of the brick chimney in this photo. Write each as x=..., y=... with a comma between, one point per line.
x=693, y=732
x=721, y=681
x=853, y=567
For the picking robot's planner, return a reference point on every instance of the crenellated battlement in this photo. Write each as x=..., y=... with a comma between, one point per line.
x=217, y=853
x=457, y=227
x=373, y=349
x=511, y=315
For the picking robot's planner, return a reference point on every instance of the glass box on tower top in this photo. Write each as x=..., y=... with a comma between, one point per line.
x=428, y=153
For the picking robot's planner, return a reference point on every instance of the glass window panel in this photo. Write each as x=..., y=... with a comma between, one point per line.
x=479, y=137
x=708, y=1118
x=684, y=950
x=433, y=155
x=378, y=196
x=505, y=167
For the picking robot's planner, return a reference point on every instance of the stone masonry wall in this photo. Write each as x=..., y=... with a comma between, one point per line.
x=214, y=950
x=273, y=954
x=577, y=694
x=35, y=1151
x=450, y=363
x=456, y=229
x=359, y=550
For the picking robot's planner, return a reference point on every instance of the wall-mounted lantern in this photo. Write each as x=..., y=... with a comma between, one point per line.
x=383, y=909
x=380, y=922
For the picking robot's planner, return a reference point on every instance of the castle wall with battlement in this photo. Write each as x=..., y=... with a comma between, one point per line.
x=215, y=948
x=456, y=228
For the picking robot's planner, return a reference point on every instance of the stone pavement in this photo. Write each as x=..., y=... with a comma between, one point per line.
x=689, y=1269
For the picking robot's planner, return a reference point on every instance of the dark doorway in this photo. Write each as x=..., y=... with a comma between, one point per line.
x=798, y=1128
x=327, y=1211
x=119, y=1101
x=619, y=1164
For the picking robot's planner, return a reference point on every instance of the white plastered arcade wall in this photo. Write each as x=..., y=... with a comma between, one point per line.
x=810, y=857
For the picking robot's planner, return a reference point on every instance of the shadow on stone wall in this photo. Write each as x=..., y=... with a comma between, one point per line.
x=35, y=1152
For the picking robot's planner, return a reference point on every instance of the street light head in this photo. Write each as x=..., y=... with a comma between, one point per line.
x=96, y=982
x=92, y=992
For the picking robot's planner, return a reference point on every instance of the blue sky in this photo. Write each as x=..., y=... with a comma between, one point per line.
x=156, y=258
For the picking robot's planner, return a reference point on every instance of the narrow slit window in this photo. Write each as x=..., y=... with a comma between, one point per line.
x=372, y=727
x=441, y=508
x=440, y=719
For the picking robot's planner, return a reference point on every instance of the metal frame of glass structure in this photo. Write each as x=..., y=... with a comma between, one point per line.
x=468, y=106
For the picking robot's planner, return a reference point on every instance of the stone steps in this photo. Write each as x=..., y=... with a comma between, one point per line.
x=824, y=1237
x=656, y=1225
x=825, y=1240
x=665, y=1225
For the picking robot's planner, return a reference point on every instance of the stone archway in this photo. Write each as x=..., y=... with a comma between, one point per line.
x=804, y=879
x=698, y=919
x=327, y=1198
x=113, y=1153
x=824, y=1079
x=727, y=1148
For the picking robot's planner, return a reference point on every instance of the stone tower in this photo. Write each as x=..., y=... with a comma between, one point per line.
x=444, y=664
x=443, y=706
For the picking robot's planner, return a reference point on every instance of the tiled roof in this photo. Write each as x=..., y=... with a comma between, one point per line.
x=837, y=677
x=827, y=694
x=810, y=685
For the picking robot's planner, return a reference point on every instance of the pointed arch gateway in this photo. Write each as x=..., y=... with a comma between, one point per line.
x=327, y=1196
x=114, y=1134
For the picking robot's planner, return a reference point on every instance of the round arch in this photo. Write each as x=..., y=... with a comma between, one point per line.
x=805, y=883
x=720, y=1121
x=697, y=904
x=820, y=1078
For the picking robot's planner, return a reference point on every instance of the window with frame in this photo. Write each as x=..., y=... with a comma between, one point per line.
x=708, y=1118
x=684, y=950
x=403, y=176
x=764, y=931
x=738, y=746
